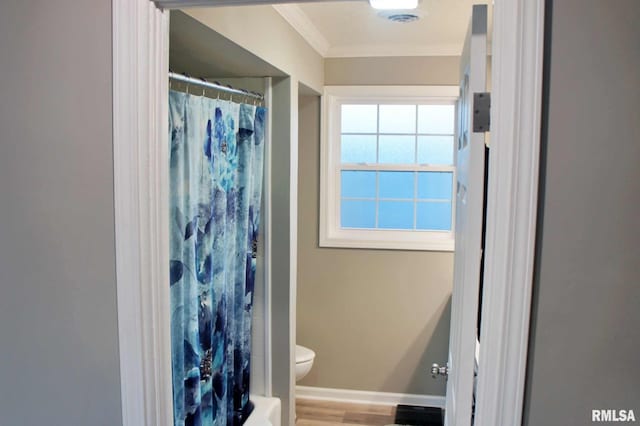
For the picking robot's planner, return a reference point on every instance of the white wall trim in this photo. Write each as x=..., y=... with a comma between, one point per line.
x=512, y=204
x=368, y=397
x=268, y=229
x=176, y=4
x=293, y=244
x=141, y=185
x=391, y=49
x=304, y=26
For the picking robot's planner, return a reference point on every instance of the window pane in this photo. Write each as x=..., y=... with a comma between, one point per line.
x=435, y=150
x=397, y=149
x=359, y=118
x=396, y=185
x=358, y=149
x=358, y=184
x=358, y=214
x=436, y=119
x=434, y=216
x=395, y=215
x=435, y=185
x=397, y=118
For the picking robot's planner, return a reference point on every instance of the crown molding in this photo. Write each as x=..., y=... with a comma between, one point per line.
x=391, y=49
x=301, y=22
x=304, y=26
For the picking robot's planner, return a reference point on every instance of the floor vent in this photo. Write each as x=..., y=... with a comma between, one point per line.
x=419, y=416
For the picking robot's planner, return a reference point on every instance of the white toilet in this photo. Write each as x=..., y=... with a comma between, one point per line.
x=304, y=361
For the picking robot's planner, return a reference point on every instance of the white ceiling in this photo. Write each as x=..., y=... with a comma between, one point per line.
x=354, y=29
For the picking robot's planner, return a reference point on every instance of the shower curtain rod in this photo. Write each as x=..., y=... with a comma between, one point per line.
x=216, y=86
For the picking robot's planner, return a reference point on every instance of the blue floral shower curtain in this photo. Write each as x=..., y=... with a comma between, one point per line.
x=216, y=184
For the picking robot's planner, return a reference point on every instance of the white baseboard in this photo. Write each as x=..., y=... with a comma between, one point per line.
x=368, y=397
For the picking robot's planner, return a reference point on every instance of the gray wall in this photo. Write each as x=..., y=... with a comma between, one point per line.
x=376, y=319
x=58, y=323
x=409, y=70
x=585, y=341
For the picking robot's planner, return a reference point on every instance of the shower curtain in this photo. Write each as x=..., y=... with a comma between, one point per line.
x=216, y=183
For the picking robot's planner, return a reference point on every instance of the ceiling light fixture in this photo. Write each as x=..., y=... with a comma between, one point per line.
x=394, y=4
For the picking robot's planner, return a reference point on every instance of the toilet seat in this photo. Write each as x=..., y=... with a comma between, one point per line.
x=304, y=361
x=304, y=355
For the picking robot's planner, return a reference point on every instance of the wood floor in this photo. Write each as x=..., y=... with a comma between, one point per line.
x=325, y=413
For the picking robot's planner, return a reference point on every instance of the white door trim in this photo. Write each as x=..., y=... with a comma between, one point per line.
x=179, y=4
x=141, y=184
x=518, y=43
x=141, y=187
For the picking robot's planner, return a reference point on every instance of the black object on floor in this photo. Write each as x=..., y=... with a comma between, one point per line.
x=419, y=416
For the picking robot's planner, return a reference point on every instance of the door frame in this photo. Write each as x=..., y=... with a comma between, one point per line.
x=140, y=102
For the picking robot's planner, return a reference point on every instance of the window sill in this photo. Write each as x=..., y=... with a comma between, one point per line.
x=389, y=240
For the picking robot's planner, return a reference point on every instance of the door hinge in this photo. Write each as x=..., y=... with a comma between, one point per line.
x=481, y=112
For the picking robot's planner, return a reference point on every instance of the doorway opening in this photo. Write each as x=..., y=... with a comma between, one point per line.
x=287, y=89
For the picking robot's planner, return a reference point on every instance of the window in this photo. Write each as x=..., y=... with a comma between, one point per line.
x=388, y=167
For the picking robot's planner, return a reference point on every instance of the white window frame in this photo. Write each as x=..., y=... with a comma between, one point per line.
x=331, y=233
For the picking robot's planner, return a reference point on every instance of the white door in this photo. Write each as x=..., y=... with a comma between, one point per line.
x=470, y=163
